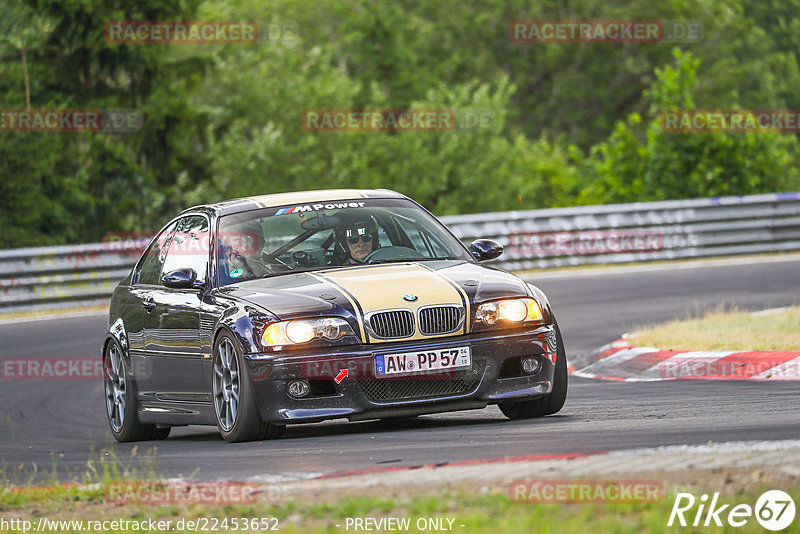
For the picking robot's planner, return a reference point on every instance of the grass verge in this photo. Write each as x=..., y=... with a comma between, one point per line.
x=489, y=513
x=726, y=330
x=308, y=507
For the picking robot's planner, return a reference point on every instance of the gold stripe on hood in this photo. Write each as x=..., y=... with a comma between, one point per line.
x=382, y=287
x=359, y=317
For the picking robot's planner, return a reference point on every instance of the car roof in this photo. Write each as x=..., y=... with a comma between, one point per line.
x=226, y=207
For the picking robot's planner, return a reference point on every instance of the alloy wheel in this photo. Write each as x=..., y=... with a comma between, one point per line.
x=226, y=384
x=116, y=388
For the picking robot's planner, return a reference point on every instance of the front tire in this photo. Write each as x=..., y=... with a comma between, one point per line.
x=546, y=404
x=235, y=404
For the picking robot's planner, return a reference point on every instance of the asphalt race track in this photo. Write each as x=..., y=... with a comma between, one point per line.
x=50, y=423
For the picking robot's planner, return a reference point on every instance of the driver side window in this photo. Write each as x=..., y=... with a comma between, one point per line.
x=190, y=247
x=149, y=271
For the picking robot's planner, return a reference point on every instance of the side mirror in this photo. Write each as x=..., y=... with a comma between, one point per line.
x=485, y=249
x=182, y=279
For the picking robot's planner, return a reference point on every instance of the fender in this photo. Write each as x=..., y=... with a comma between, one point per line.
x=116, y=330
x=118, y=333
x=245, y=323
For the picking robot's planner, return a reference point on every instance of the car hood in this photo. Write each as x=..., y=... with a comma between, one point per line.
x=362, y=289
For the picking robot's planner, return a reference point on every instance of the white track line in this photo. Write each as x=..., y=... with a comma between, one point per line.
x=687, y=264
x=52, y=317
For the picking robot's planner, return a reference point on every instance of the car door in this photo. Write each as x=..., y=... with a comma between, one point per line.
x=179, y=348
x=138, y=306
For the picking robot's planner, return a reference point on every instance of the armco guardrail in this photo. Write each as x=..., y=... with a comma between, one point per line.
x=646, y=231
x=63, y=276
x=52, y=277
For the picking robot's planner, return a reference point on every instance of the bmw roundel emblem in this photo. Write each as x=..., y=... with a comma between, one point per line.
x=410, y=298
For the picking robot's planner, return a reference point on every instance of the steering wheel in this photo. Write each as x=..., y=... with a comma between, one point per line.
x=268, y=260
x=391, y=253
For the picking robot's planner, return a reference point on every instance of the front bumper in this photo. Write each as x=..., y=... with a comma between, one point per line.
x=494, y=377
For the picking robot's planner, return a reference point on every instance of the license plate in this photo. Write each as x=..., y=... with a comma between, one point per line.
x=420, y=361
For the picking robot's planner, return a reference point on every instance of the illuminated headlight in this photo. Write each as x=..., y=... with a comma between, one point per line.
x=510, y=310
x=305, y=330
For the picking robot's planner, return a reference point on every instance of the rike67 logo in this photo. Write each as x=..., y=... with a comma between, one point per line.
x=774, y=510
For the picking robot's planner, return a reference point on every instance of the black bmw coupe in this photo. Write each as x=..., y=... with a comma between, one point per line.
x=256, y=313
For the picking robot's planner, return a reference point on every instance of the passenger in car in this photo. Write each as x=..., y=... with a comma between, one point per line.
x=243, y=251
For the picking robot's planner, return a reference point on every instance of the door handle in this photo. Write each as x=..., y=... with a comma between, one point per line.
x=149, y=304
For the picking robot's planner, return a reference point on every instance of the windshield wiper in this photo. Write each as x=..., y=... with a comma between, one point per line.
x=295, y=271
x=401, y=260
x=328, y=267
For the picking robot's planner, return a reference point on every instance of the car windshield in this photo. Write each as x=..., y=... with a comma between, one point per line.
x=288, y=239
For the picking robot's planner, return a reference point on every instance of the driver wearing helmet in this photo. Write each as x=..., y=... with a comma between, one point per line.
x=356, y=239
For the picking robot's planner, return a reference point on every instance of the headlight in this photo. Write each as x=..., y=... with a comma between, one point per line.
x=305, y=330
x=511, y=310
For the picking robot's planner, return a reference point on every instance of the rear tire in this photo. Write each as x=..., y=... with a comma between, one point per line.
x=121, y=405
x=546, y=404
x=235, y=404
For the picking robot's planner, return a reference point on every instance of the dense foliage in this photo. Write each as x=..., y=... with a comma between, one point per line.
x=570, y=123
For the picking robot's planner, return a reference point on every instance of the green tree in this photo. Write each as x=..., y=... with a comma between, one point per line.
x=572, y=123
x=685, y=165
